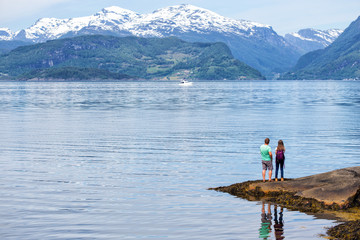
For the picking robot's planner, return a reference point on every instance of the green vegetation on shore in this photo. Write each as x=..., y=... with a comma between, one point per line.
x=144, y=58
x=72, y=73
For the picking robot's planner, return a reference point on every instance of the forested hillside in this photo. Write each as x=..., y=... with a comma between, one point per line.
x=144, y=58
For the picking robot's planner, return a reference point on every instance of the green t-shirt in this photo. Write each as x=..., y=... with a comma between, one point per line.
x=264, y=151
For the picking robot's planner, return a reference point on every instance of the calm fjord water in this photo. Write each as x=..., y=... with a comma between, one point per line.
x=123, y=160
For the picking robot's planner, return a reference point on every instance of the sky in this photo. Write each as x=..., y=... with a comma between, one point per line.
x=285, y=16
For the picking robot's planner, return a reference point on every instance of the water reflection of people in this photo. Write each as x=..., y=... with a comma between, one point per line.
x=265, y=229
x=278, y=225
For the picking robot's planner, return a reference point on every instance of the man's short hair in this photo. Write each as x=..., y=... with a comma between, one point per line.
x=267, y=140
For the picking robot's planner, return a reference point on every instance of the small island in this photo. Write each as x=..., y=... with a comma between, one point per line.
x=334, y=194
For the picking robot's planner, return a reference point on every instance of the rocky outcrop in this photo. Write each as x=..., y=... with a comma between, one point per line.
x=336, y=193
x=335, y=189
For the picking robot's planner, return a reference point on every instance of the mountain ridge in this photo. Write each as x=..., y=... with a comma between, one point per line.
x=140, y=58
x=255, y=44
x=184, y=17
x=309, y=39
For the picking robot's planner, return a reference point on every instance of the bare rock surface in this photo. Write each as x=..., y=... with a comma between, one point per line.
x=336, y=193
x=330, y=187
x=339, y=189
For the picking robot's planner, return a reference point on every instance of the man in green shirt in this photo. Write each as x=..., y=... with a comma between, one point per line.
x=266, y=156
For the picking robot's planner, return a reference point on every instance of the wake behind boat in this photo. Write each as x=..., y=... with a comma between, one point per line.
x=185, y=83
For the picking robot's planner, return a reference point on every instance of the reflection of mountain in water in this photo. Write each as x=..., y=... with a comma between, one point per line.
x=266, y=222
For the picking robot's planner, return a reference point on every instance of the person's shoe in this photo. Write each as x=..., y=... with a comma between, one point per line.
x=282, y=179
x=276, y=179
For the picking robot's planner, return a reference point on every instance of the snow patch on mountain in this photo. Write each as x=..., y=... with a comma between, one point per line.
x=6, y=34
x=324, y=37
x=45, y=28
x=188, y=18
x=307, y=40
x=109, y=19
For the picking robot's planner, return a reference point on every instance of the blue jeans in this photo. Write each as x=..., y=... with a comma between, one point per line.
x=281, y=164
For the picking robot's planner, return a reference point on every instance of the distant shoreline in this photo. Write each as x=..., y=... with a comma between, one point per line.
x=162, y=80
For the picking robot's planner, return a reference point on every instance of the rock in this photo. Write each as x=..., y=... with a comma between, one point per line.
x=346, y=231
x=335, y=193
x=330, y=187
x=339, y=189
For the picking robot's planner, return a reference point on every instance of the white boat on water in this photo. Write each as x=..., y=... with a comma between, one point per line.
x=185, y=83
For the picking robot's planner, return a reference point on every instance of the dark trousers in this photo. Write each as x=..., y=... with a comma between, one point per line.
x=281, y=165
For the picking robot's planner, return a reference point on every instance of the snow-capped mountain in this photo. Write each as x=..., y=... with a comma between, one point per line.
x=188, y=18
x=6, y=34
x=253, y=43
x=258, y=45
x=112, y=20
x=307, y=40
x=160, y=23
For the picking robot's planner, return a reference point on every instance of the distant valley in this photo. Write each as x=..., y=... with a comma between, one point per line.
x=340, y=60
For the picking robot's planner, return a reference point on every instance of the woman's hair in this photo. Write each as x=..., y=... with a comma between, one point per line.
x=280, y=146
